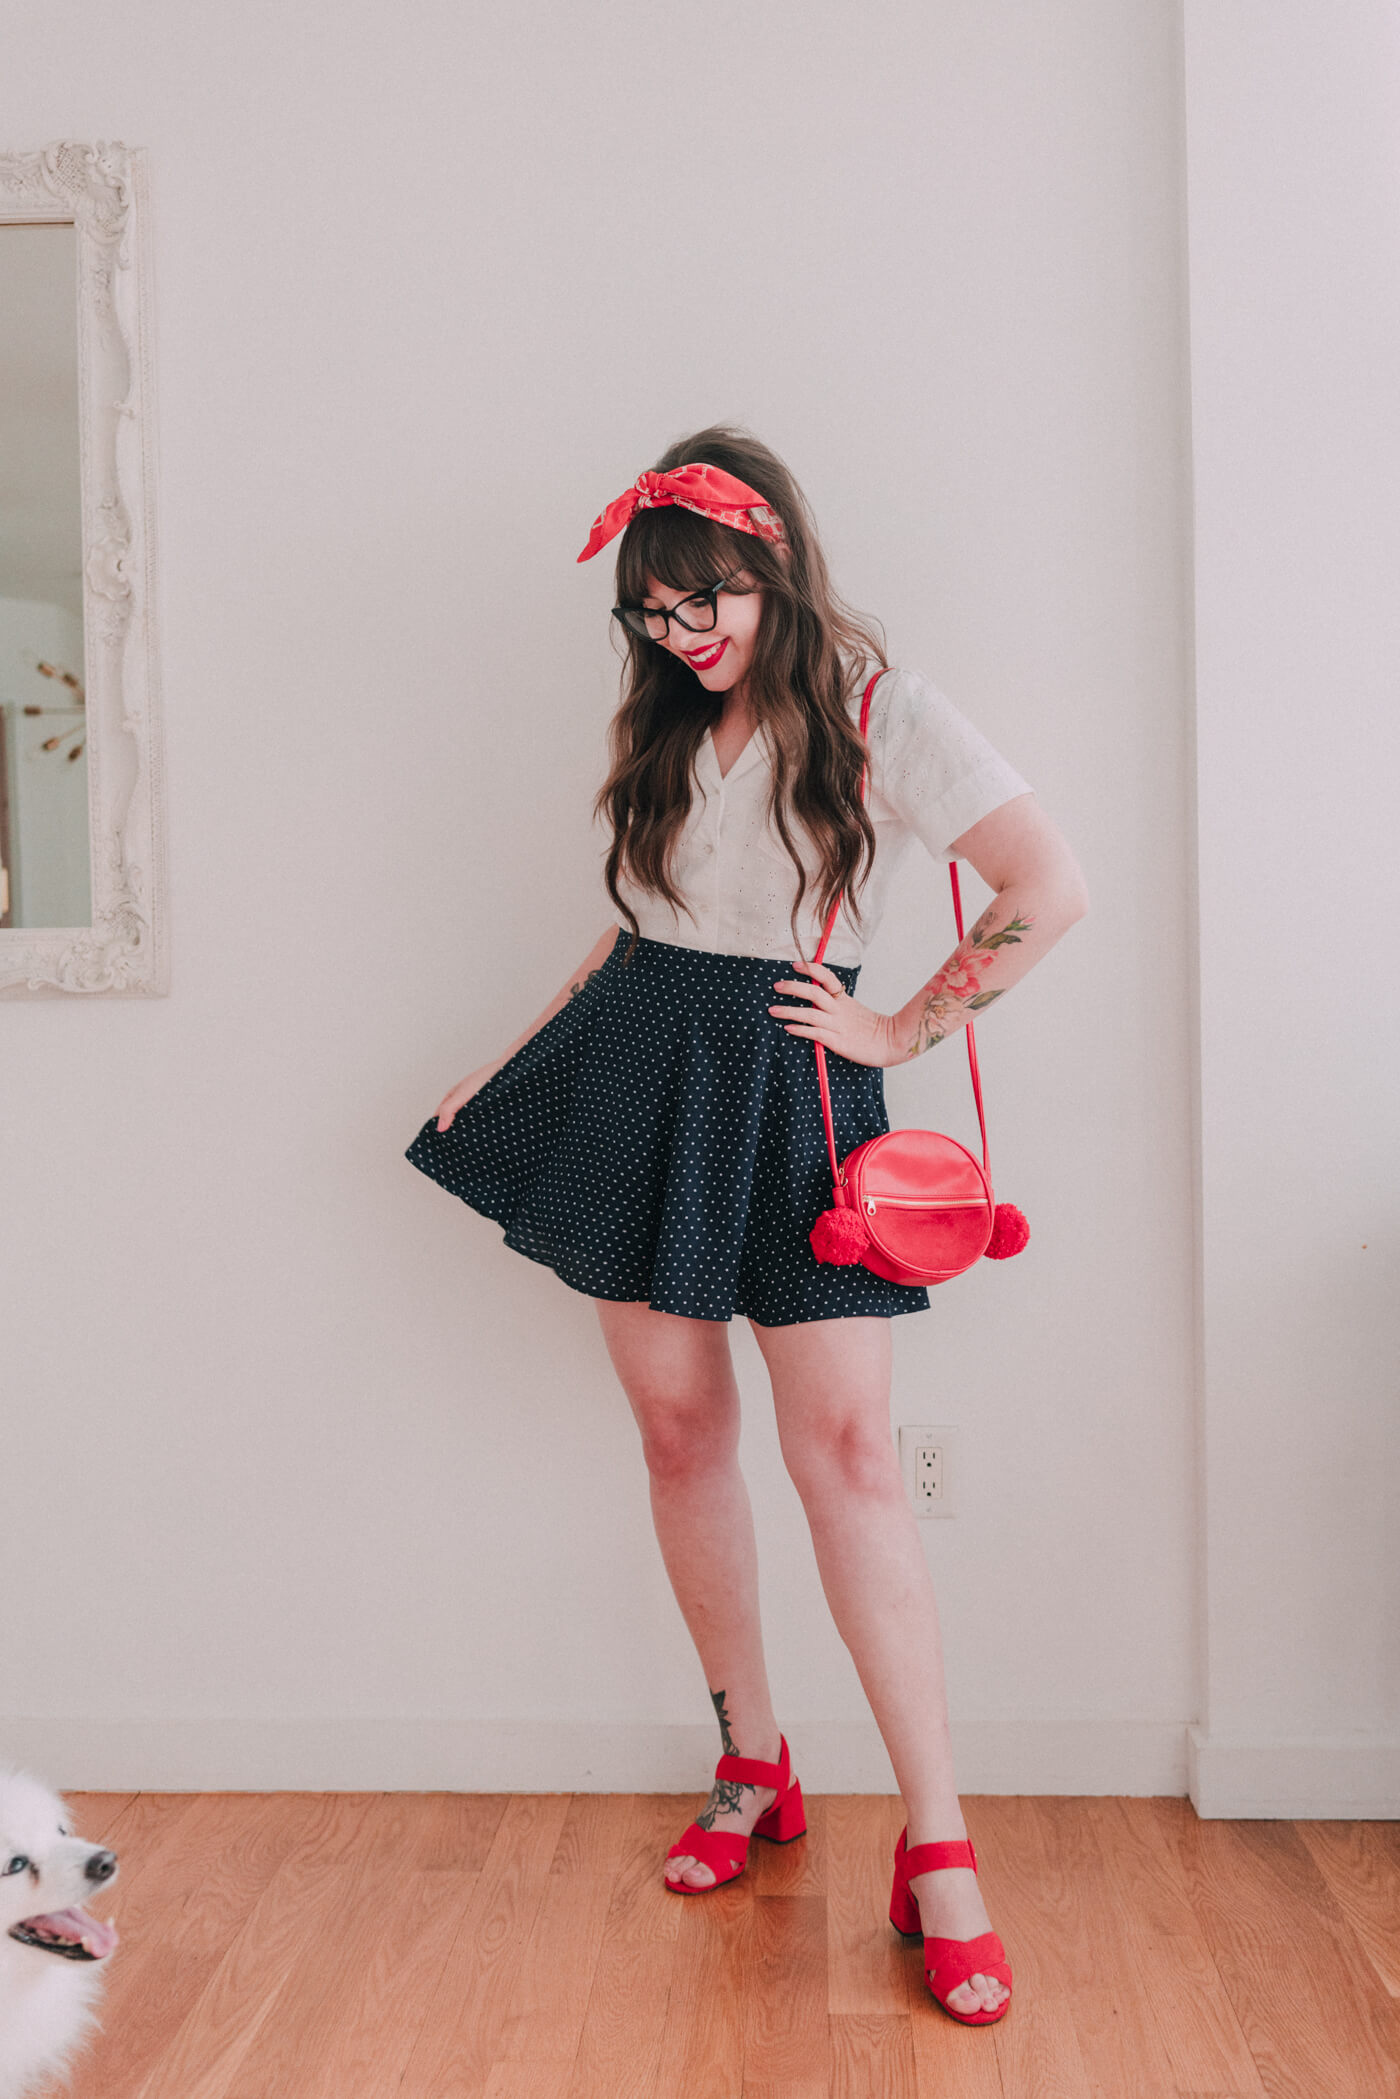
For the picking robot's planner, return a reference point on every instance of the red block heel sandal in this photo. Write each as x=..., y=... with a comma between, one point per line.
x=947, y=1962
x=726, y=1851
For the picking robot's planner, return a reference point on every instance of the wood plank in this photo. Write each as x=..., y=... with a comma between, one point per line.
x=1172, y=1970
x=784, y=1997
x=364, y=1985
x=530, y=2080
x=1311, y=2008
x=453, y=1832
x=866, y=1966
x=96, y=1815
x=1120, y=2044
x=620, y=2044
x=703, y=2044
x=195, y=1875
x=460, y=2041
x=308, y=1838
x=872, y=2053
x=797, y=1867
x=1037, y=2054
x=250, y=1993
x=1360, y=1862
x=548, y=2000
x=387, y=1949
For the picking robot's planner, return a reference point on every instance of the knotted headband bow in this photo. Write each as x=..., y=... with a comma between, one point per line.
x=705, y=489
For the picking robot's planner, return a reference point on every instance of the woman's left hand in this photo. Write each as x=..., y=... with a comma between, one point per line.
x=836, y=1019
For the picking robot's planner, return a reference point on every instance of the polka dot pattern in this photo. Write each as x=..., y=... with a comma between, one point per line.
x=660, y=1140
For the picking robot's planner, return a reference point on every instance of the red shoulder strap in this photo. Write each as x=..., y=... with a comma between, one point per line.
x=820, y=1047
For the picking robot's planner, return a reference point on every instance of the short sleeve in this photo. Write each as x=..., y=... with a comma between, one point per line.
x=931, y=765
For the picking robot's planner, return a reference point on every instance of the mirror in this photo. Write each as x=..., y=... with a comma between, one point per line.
x=45, y=871
x=82, y=856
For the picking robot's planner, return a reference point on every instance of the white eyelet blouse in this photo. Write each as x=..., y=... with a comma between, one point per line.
x=932, y=775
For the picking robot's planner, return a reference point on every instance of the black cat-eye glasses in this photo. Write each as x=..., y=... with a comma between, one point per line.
x=697, y=614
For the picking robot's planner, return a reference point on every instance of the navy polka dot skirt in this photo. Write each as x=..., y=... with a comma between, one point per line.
x=660, y=1141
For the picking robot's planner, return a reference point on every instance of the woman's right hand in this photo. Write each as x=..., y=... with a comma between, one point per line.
x=475, y=1080
x=462, y=1092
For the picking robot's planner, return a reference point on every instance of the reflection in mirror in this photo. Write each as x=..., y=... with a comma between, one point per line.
x=45, y=875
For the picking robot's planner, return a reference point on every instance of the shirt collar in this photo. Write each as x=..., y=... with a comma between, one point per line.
x=755, y=752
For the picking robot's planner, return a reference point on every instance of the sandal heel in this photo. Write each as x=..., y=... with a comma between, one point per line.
x=786, y=1819
x=904, y=1910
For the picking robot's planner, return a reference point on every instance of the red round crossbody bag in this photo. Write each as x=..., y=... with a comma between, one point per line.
x=913, y=1206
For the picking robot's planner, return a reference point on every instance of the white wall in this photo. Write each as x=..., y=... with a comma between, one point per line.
x=310, y=1481
x=1293, y=115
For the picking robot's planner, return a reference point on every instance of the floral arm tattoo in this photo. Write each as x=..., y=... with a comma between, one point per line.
x=951, y=997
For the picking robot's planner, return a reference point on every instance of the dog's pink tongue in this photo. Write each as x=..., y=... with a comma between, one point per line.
x=78, y=1923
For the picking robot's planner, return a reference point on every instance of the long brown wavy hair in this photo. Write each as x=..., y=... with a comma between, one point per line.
x=808, y=654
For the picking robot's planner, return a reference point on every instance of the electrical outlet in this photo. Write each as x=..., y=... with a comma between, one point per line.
x=928, y=1457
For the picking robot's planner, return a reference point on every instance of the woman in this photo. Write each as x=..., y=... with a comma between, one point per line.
x=656, y=1136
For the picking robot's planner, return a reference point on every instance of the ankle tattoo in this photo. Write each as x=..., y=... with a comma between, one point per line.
x=725, y=1736
x=726, y=1796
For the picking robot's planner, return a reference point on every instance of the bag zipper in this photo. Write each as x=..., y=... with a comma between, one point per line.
x=925, y=1202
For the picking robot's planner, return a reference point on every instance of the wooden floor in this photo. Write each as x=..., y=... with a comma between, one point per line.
x=441, y=1945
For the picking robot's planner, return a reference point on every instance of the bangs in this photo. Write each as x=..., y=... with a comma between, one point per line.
x=679, y=549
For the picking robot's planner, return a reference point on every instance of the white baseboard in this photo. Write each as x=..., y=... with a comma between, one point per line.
x=1351, y=1778
x=1345, y=1778
x=1049, y=1756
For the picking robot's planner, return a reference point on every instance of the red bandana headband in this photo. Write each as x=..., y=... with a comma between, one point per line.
x=704, y=489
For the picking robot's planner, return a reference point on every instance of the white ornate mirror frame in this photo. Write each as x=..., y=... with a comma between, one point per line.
x=101, y=190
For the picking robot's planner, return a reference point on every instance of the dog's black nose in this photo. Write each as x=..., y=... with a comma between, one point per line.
x=101, y=1865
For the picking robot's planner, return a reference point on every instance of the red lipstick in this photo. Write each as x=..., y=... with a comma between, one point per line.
x=705, y=659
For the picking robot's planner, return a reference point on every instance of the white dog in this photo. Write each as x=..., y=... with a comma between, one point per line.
x=51, y=1948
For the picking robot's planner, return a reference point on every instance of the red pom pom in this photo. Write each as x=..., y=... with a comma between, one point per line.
x=839, y=1236
x=1009, y=1233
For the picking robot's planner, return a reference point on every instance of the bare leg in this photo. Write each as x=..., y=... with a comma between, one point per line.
x=679, y=1380
x=831, y=1392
